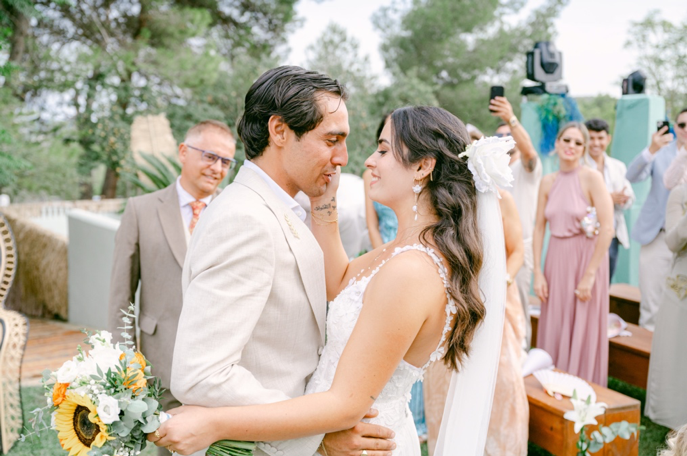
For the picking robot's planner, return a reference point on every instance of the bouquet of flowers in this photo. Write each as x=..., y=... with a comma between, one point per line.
x=105, y=401
x=100, y=401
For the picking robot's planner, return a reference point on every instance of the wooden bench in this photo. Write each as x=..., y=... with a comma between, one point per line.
x=549, y=430
x=625, y=300
x=628, y=356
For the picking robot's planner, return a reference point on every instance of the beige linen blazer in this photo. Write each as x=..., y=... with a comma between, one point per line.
x=253, y=317
x=150, y=246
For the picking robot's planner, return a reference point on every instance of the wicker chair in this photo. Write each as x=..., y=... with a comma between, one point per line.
x=14, y=330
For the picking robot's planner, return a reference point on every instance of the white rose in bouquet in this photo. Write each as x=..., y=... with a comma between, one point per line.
x=68, y=372
x=105, y=357
x=488, y=161
x=101, y=339
x=108, y=409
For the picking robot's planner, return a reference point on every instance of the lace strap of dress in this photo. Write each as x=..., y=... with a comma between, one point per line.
x=450, y=309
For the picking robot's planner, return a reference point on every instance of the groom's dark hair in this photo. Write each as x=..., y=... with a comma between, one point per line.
x=290, y=92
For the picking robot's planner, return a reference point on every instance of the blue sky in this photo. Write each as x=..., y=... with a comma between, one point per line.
x=591, y=35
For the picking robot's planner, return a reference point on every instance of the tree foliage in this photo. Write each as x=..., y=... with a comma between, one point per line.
x=663, y=56
x=462, y=47
x=105, y=61
x=36, y=160
x=338, y=55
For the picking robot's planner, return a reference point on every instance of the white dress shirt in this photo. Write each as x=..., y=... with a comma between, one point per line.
x=278, y=191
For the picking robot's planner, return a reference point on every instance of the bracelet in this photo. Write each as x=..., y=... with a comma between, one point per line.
x=326, y=222
x=513, y=121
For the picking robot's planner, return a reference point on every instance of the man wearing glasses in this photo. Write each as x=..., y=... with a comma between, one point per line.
x=661, y=161
x=151, y=242
x=527, y=172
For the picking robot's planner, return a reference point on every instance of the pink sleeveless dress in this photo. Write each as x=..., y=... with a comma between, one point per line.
x=573, y=332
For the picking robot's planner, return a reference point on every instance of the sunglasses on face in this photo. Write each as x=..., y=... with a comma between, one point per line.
x=570, y=140
x=211, y=158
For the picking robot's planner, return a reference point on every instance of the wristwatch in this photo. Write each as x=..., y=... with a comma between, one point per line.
x=513, y=121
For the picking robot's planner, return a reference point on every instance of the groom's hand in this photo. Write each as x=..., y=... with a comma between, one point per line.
x=364, y=436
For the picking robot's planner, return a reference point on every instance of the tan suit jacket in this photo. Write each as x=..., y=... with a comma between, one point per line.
x=150, y=246
x=252, y=323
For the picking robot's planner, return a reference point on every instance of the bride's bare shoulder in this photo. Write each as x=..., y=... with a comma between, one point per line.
x=410, y=275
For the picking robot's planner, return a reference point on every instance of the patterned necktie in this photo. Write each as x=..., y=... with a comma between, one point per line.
x=197, y=207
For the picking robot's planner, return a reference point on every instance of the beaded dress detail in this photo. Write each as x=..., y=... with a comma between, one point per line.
x=392, y=402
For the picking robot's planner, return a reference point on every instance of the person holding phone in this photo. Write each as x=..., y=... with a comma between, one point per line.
x=527, y=173
x=675, y=174
x=649, y=230
x=613, y=171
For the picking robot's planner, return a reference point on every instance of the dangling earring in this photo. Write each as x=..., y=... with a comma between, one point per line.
x=416, y=189
x=431, y=177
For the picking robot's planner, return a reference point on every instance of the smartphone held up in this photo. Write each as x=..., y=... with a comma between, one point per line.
x=495, y=91
x=663, y=123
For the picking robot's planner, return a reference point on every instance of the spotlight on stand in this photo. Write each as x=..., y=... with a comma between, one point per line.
x=545, y=65
x=634, y=83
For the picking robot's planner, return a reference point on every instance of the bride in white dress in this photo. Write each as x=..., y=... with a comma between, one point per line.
x=435, y=293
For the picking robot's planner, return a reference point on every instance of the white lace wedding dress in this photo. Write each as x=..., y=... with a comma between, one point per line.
x=392, y=403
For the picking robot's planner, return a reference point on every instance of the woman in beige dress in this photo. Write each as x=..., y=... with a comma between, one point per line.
x=508, y=426
x=666, y=401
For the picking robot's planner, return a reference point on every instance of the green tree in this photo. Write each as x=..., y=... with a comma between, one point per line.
x=338, y=55
x=599, y=107
x=110, y=60
x=35, y=161
x=462, y=47
x=663, y=56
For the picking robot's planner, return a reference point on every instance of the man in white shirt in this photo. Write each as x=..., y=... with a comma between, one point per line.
x=620, y=188
x=151, y=242
x=527, y=173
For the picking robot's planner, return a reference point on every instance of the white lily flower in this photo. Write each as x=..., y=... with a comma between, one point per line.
x=584, y=414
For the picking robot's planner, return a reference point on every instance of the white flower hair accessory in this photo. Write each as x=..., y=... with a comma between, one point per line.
x=488, y=161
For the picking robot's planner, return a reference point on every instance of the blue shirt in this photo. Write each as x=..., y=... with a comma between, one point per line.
x=652, y=217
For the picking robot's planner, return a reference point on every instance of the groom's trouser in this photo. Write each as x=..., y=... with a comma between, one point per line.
x=168, y=402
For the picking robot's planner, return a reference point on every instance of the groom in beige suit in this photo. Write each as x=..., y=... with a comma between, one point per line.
x=150, y=245
x=253, y=319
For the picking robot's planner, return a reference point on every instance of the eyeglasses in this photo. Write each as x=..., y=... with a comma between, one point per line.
x=211, y=158
x=502, y=135
x=682, y=125
x=569, y=140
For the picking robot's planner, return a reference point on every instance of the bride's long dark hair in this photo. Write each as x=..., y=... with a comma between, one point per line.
x=419, y=132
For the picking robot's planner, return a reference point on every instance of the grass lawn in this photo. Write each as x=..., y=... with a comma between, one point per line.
x=651, y=439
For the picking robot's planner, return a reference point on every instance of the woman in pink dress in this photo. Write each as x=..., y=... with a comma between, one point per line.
x=573, y=288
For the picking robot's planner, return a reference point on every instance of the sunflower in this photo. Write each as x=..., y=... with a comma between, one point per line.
x=78, y=426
